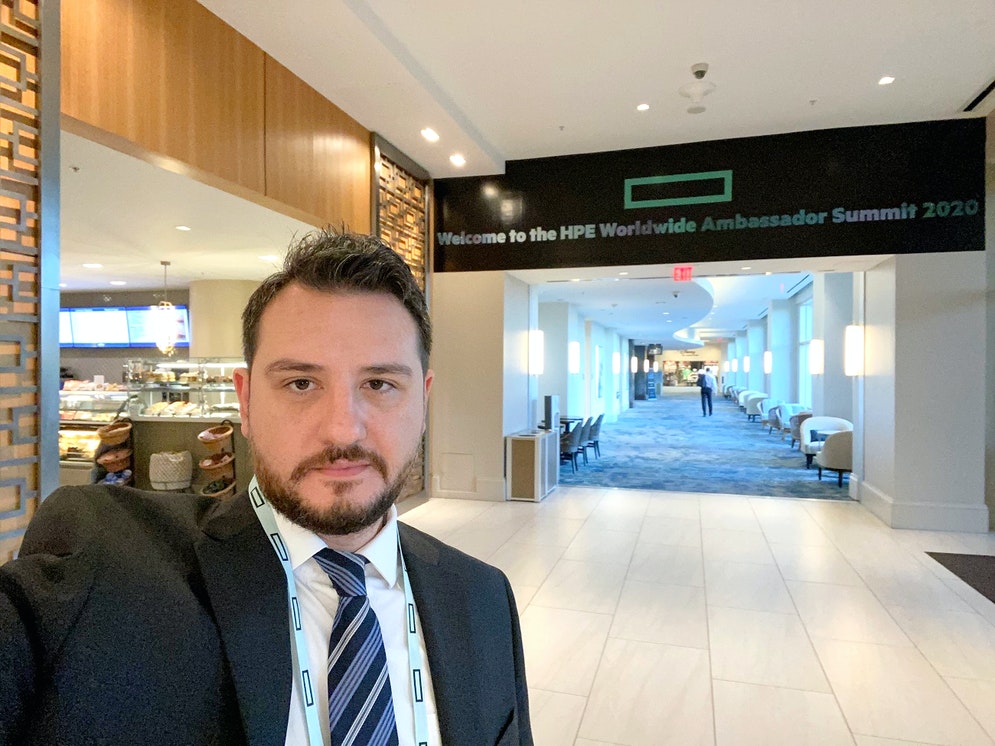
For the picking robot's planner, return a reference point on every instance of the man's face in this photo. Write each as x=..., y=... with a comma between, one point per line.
x=336, y=406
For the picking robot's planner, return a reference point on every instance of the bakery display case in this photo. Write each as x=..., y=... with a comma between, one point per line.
x=192, y=388
x=86, y=410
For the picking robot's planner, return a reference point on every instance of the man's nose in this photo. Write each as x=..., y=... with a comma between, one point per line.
x=342, y=418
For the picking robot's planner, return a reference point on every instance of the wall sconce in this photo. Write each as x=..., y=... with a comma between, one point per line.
x=573, y=357
x=656, y=366
x=735, y=365
x=725, y=366
x=634, y=364
x=537, y=352
x=853, y=351
x=646, y=365
x=746, y=363
x=616, y=363
x=768, y=362
x=816, y=357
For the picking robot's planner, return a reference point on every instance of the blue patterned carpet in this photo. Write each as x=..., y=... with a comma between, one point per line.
x=665, y=444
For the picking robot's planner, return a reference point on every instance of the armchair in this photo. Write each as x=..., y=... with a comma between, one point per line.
x=836, y=455
x=810, y=446
x=753, y=404
x=795, y=424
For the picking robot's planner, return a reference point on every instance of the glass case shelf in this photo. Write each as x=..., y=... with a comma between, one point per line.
x=183, y=388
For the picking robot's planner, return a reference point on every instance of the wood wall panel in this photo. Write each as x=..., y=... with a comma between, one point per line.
x=20, y=267
x=172, y=78
x=317, y=156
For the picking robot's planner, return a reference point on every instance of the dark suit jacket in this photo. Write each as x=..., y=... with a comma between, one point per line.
x=135, y=617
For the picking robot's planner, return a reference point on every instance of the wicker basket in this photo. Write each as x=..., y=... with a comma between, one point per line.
x=114, y=433
x=216, y=438
x=116, y=460
x=217, y=461
x=171, y=470
x=212, y=489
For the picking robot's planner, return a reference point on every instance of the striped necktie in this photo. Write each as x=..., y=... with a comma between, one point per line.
x=360, y=707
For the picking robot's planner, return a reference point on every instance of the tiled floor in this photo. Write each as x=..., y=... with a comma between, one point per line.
x=668, y=618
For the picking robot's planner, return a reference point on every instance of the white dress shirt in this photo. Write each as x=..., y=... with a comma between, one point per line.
x=318, y=601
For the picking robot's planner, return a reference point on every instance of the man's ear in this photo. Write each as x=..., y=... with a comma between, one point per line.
x=240, y=377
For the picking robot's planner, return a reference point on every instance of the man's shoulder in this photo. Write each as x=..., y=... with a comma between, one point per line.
x=75, y=516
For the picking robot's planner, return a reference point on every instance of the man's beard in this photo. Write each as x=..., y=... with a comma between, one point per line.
x=341, y=517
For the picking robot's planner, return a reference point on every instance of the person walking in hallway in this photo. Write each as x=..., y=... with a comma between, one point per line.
x=708, y=384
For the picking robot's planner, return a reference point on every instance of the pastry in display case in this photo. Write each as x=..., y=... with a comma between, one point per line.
x=177, y=388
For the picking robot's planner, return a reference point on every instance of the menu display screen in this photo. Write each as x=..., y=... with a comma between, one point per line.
x=122, y=327
x=99, y=327
x=145, y=324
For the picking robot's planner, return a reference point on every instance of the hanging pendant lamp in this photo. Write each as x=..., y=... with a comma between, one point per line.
x=165, y=332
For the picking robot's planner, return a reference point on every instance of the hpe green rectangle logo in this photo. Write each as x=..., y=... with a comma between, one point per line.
x=725, y=195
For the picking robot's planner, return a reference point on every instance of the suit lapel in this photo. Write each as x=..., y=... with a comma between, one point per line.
x=248, y=594
x=440, y=597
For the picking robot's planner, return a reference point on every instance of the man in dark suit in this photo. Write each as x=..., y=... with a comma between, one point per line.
x=135, y=617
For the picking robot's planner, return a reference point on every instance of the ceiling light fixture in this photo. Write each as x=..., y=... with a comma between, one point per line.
x=183, y=227
x=165, y=319
x=643, y=107
x=886, y=80
x=92, y=265
x=457, y=160
x=118, y=282
x=430, y=134
x=623, y=274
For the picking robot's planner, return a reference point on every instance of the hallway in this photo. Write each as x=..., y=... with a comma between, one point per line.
x=665, y=444
x=656, y=618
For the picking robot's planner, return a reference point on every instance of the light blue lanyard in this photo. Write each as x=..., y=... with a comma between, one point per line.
x=264, y=512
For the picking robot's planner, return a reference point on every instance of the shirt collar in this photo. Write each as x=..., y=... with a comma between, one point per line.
x=381, y=550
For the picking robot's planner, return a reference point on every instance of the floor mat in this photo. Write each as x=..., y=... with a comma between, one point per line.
x=977, y=570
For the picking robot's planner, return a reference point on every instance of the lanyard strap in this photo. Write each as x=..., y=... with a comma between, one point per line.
x=264, y=512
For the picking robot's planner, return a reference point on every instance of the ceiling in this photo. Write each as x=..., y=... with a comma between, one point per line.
x=522, y=79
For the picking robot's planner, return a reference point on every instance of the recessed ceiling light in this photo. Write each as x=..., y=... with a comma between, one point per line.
x=666, y=313
x=457, y=159
x=270, y=258
x=670, y=321
x=63, y=285
x=886, y=80
x=745, y=268
x=623, y=274
x=118, y=282
x=575, y=279
x=183, y=227
x=430, y=134
x=643, y=107
x=92, y=265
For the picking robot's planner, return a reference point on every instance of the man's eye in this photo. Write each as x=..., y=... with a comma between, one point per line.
x=378, y=384
x=300, y=384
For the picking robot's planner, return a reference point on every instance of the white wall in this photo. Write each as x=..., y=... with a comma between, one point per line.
x=517, y=402
x=554, y=320
x=756, y=343
x=782, y=347
x=878, y=419
x=990, y=306
x=926, y=312
x=466, y=409
x=832, y=311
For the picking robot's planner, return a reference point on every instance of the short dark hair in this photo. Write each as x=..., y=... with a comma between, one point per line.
x=331, y=261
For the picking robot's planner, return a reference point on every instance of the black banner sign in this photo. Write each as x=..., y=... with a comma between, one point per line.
x=888, y=189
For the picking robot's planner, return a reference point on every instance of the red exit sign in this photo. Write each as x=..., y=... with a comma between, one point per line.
x=682, y=273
